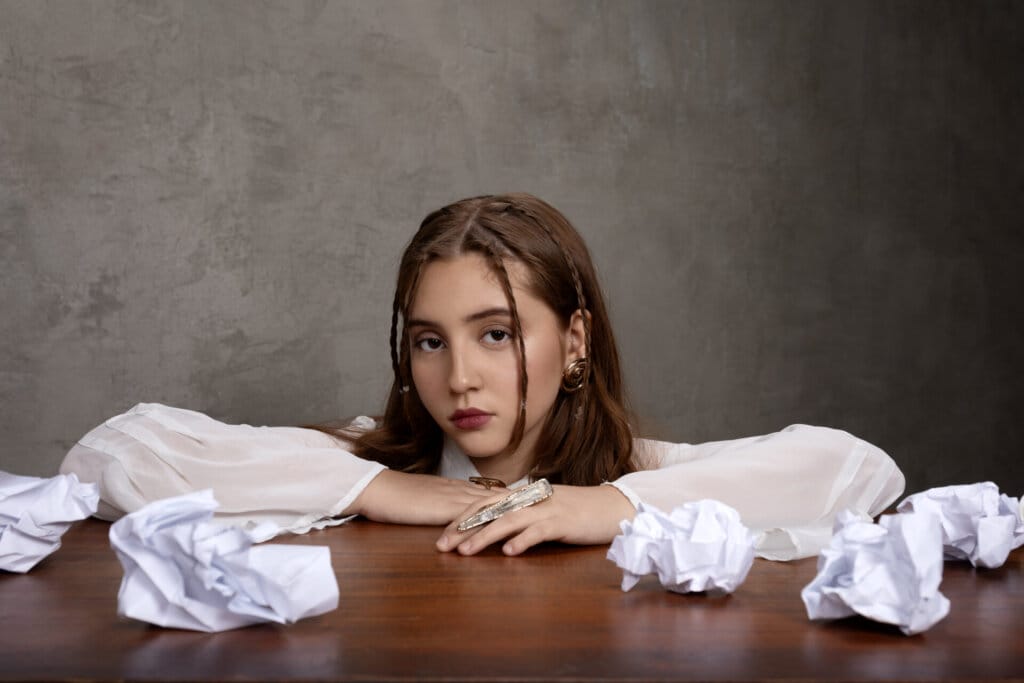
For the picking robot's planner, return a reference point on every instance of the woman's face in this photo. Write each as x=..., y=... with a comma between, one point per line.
x=465, y=360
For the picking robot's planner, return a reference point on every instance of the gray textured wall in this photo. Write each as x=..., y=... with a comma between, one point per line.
x=803, y=211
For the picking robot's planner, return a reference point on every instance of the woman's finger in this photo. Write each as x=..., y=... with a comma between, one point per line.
x=494, y=532
x=452, y=537
x=527, y=538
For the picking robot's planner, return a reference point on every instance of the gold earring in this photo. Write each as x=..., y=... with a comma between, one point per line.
x=575, y=375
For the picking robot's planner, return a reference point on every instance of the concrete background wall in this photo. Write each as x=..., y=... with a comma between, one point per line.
x=803, y=211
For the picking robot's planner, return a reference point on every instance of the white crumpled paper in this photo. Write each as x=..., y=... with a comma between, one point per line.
x=35, y=513
x=184, y=571
x=889, y=572
x=978, y=523
x=699, y=546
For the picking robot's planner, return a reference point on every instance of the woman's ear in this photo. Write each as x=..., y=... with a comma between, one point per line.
x=577, y=337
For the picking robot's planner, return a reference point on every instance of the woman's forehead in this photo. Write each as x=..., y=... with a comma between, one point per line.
x=468, y=280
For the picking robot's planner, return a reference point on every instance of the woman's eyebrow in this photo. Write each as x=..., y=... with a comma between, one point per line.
x=488, y=313
x=472, y=317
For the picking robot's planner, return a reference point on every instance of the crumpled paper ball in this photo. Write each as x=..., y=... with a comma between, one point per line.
x=889, y=572
x=35, y=513
x=978, y=523
x=699, y=546
x=184, y=571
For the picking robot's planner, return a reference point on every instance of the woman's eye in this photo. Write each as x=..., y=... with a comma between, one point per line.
x=429, y=344
x=496, y=336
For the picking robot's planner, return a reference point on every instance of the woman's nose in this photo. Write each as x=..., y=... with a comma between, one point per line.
x=463, y=373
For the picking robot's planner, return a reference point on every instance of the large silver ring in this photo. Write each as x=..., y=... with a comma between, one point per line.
x=525, y=496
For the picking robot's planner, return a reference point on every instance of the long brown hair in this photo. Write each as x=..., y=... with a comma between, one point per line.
x=586, y=438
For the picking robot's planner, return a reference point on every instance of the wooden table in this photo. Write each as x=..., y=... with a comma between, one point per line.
x=408, y=612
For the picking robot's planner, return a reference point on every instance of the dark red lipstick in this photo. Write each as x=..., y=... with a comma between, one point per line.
x=469, y=419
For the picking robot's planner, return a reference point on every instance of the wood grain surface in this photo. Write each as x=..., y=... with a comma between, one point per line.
x=408, y=612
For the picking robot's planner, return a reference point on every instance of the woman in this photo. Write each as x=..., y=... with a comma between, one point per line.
x=506, y=371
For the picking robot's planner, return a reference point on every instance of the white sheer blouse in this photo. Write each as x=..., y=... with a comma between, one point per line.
x=787, y=486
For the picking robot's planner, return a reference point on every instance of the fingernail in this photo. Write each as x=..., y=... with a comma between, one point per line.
x=443, y=543
x=507, y=549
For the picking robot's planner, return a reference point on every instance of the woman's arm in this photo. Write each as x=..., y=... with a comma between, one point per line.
x=297, y=478
x=403, y=498
x=788, y=486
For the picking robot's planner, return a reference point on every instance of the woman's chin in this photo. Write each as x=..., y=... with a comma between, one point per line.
x=476, y=448
x=480, y=454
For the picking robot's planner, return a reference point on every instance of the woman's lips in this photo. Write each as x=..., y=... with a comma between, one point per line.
x=470, y=419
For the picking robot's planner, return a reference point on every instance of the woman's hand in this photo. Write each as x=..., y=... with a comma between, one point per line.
x=586, y=515
x=403, y=498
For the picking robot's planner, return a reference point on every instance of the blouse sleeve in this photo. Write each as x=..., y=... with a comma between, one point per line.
x=300, y=479
x=787, y=486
